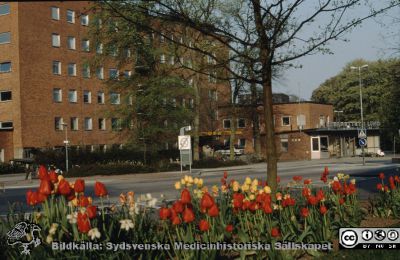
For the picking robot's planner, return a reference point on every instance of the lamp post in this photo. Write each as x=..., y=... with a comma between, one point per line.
x=359, y=68
x=65, y=126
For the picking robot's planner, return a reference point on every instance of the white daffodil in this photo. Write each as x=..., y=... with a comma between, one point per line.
x=152, y=203
x=126, y=224
x=72, y=218
x=53, y=228
x=148, y=196
x=94, y=233
x=49, y=239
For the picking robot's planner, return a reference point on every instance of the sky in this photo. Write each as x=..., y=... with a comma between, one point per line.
x=368, y=41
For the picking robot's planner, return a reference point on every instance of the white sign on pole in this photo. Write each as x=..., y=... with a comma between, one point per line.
x=184, y=142
x=362, y=135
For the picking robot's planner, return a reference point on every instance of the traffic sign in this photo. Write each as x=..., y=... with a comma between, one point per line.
x=184, y=142
x=362, y=142
x=362, y=134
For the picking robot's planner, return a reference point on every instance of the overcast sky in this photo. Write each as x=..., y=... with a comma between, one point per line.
x=367, y=42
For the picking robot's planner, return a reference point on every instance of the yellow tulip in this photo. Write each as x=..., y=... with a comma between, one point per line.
x=248, y=181
x=252, y=197
x=267, y=189
x=177, y=185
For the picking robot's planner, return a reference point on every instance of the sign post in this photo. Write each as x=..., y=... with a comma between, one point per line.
x=362, y=141
x=185, y=148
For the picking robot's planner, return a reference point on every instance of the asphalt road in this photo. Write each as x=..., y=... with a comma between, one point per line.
x=163, y=183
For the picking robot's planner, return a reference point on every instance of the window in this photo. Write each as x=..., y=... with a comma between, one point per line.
x=174, y=102
x=191, y=82
x=71, y=69
x=212, y=94
x=57, y=95
x=130, y=100
x=127, y=52
x=191, y=103
x=5, y=37
x=100, y=97
x=227, y=123
x=162, y=58
x=100, y=73
x=58, y=123
x=113, y=73
x=315, y=144
x=55, y=13
x=85, y=45
x=284, y=143
x=301, y=121
x=70, y=16
x=55, y=40
x=88, y=123
x=5, y=67
x=162, y=39
x=212, y=77
x=87, y=97
x=86, y=71
x=102, y=124
x=6, y=125
x=189, y=63
x=172, y=60
x=71, y=43
x=56, y=68
x=85, y=20
x=241, y=123
x=72, y=96
x=322, y=122
x=242, y=143
x=5, y=95
x=4, y=9
x=99, y=48
x=115, y=98
x=74, y=123
x=286, y=121
x=116, y=124
x=127, y=73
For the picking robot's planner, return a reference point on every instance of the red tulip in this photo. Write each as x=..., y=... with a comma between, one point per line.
x=307, y=181
x=53, y=177
x=204, y=225
x=304, y=212
x=306, y=192
x=173, y=214
x=188, y=215
x=379, y=186
x=336, y=187
x=207, y=201
x=213, y=211
x=237, y=200
x=178, y=206
x=288, y=202
x=64, y=188
x=391, y=183
x=43, y=175
x=341, y=201
x=267, y=208
x=297, y=178
x=45, y=187
x=225, y=174
x=275, y=232
x=320, y=194
x=31, y=198
x=312, y=200
x=176, y=221
x=246, y=205
x=323, y=210
x=91, y=211
x=71, y=195
x=229, y=228
x=164, y=213
x=79, y=185
x=40, y=197
x=83, y=222
x=100, y=189
x=396, y=178
x=185, y=196
x=83, y=201
x=381, y=176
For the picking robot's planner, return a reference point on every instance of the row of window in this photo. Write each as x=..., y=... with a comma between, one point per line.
x=241, y=123
x=115, y=98
x=72, y=71
x=71, y=42
x=87, y=124
x=70, y=16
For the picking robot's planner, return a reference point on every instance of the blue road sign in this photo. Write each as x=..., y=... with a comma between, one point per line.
x=362, y=142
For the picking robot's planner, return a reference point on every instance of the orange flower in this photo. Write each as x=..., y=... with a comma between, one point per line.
x=320, y=194
x=379, y=186
x=288, y=202
x=45, y=187
x=188, y=215
x=83, y=201
x=213, y=211
x=297, y=178
x=100, y=189
x=207, y=201
x=304, y=212
x=391, y=183
x=91, y=211
x=53, y=177
x=267, y=208
x=31, y=198
x=341, y=201
x=64, y=188
x=225, y=174
x=178, y=206
x=83, y=222
x=43, y=175
x=229, y=228
x=323, y=210
x=79, y=185
x=40, y=197
x=164, y=213
x=176, y=221
x=336, y=187
x=381, y=176
x=312, y=200
x=185, y=196
x=306, y=192
x=204, y=225
x=275, y=232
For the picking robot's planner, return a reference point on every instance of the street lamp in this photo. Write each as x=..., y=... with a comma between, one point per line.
x=361, y=103
x=65, y=126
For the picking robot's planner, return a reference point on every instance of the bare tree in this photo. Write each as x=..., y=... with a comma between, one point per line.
x=279, y=31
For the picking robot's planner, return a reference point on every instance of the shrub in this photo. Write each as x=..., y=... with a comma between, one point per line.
x=6, y=168
x=214, y=163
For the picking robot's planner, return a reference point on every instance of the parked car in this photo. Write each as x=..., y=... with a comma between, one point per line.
x=225, y=150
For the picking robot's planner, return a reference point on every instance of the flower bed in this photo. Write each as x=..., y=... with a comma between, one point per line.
x=231, y=213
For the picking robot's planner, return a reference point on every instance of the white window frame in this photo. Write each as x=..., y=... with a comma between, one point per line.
x=86, y=71
x=74, y=121
x=85, y=19
x=223, y=123
x=58, y=67
x=58, y=92
x=102, y=97
x=73, y=16
x=282, y=120
x=87, y=93
x=74, y=97
x=99, y=48
x=116, y=101
x=57, y=12
x=88, y=124
x=55, y=40
x=239, y=141
x=102, y=124
x=238, y=125
x=85, y=45
x=9, y=37
x=162, y=58
x=58, y=123
x=73, y=66
x=4, y=91
x=100, y=73
x=71, y=45
x=109, y=73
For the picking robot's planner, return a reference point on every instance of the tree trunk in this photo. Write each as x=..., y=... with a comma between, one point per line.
x=255, y=121
x=196, y=138
x=233, y=134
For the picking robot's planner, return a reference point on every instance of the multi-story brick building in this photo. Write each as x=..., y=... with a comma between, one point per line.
x=45, y=84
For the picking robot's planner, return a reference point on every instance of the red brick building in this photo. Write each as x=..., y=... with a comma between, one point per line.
x=45, y=83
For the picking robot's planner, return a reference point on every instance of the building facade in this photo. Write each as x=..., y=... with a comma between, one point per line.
x=47, y=90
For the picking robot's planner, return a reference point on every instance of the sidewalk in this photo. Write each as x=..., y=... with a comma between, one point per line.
x=18, y=180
